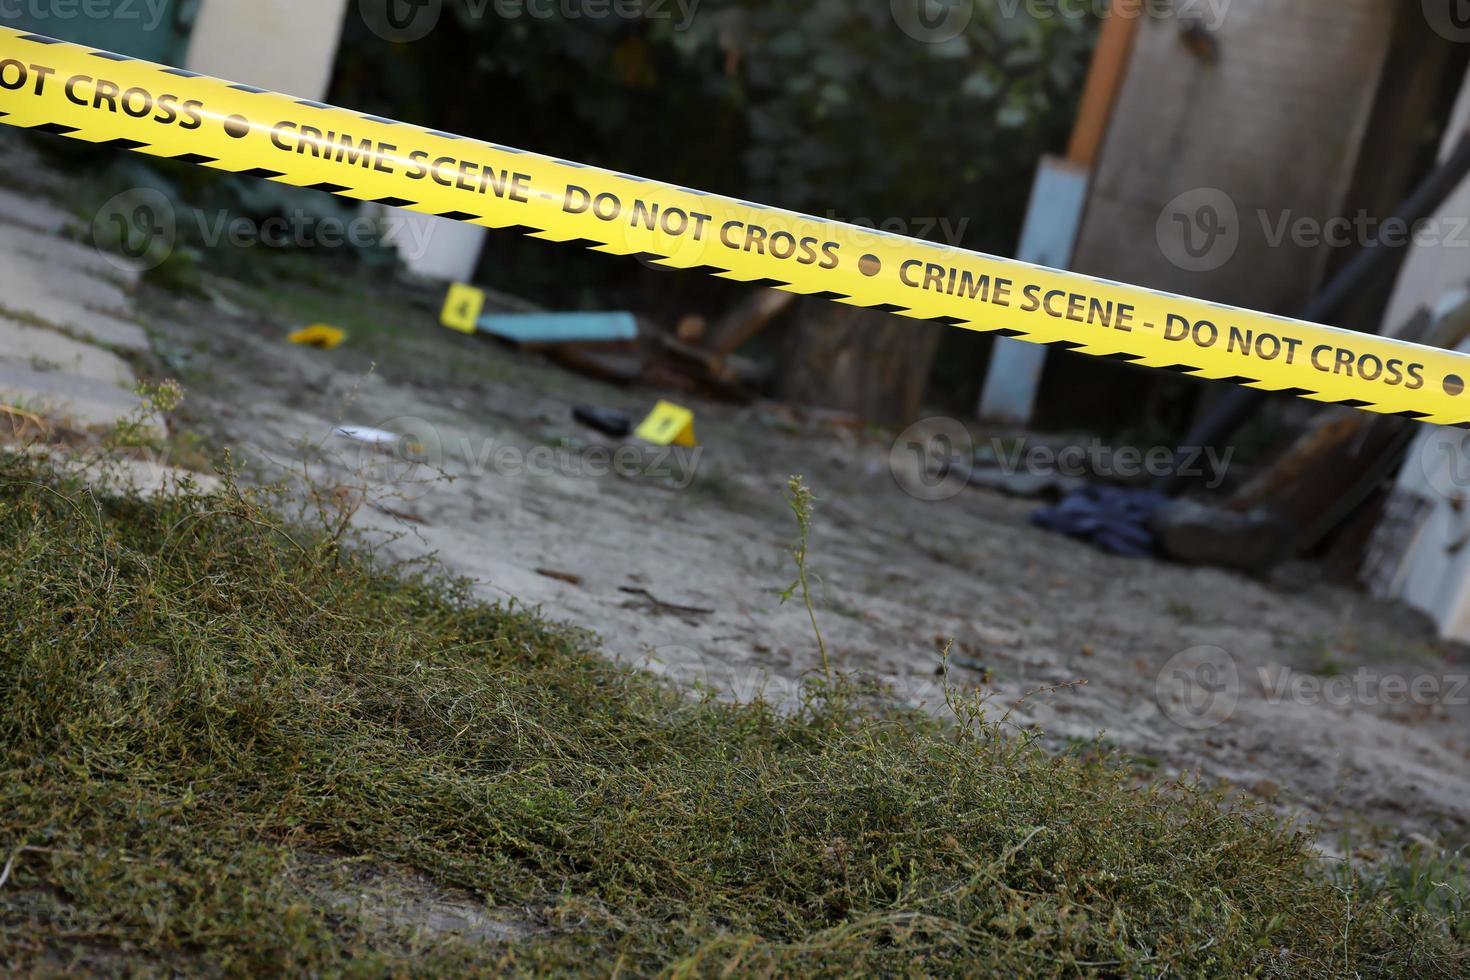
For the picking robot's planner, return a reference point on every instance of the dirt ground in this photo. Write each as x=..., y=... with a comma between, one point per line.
x=683, y=570
x=687, y=580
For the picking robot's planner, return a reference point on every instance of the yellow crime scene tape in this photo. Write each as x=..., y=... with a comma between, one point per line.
x=108, y=99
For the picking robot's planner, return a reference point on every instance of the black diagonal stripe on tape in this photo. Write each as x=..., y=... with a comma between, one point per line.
x=55, y=129
x=381, y=121
x=827, y=294
x=395, y=202
x=1121, y=356
x=1296, y=392
x=955, y=321
x=769, y=283
x=443, y=135
x=249, y=88
x=887, y=307
x=312, y=105
x=649, y=257
x=466, y=216
x=123, y=143
x=1180, y=368
x=527, y=230
x=198, y=159
x=1416, y=416
x=39, y=39
x=707, y=270
x=111, y=56
x=1063, y=344
x=1351, y=403
x=1239, y=380
x=182, y=73
x=329, y=187
x=260, y=172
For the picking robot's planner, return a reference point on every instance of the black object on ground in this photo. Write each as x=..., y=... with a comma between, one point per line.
x=608, y=421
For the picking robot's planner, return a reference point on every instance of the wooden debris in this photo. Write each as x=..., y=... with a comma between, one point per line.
x=748, y=319
x=568, y=577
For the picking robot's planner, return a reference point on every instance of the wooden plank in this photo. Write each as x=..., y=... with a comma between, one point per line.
x=1055, y=212
x=747, y=319
x=1104, y=81
x=560, y=328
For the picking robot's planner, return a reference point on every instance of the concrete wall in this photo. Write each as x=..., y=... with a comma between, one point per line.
x=1274, y=124
x=1433, y=270
x=1425, y=562
x=290, y=46
x=285, y=45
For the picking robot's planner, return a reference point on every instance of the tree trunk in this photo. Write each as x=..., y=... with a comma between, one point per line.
x=873, y=364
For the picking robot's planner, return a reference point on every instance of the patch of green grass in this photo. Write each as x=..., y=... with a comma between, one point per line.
x=199, y=705
x=1434, y=880
x=1182, y=611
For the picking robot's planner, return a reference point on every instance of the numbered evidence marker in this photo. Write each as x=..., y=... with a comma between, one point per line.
x=668, y=425
x=462, y=308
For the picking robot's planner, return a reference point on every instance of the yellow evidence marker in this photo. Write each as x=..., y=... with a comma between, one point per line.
x=462, y=308
x=318, y=335
x=668, y=425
